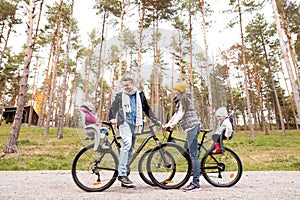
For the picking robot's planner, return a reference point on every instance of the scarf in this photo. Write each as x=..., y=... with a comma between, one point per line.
x=127, y=109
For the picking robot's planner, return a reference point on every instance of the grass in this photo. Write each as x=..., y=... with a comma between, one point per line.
x=39, y=152
x=268, y=152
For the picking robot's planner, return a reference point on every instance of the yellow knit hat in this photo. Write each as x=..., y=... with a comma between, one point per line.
x=181, y=87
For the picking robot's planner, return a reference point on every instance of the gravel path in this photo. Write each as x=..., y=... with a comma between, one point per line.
x=60, y=185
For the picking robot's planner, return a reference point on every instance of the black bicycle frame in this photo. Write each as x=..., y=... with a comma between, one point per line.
x=146, y=140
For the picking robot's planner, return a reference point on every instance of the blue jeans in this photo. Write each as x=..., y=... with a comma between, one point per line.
x=128, y=143
x=192, y=142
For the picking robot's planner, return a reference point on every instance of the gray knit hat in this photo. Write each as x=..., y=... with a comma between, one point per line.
x=221, y=112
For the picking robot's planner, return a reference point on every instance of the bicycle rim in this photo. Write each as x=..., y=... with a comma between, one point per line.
x=222, y=170
x=94, y=171
x=169, y=166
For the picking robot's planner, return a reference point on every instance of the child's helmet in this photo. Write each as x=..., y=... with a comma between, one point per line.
x=221, y=112
x=88, y=105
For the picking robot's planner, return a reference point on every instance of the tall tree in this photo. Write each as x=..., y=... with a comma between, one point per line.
x=8, y=20
x=259, y=35
x=202, y=7
x=157, y=11
x=294, y=87
x=54, y=71
x=238, y=6
x=288, y=11
x=11, y=145
x=64, y=82
x=102, y=7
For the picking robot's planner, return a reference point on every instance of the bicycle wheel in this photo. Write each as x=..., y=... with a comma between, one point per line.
x=222, y=170
x=169, y=166
x=142, y=167
x=94, y=171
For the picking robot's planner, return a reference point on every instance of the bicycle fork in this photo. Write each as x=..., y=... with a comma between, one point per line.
x=162, y=154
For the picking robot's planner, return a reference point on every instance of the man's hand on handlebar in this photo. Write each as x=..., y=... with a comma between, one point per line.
x=166, y=128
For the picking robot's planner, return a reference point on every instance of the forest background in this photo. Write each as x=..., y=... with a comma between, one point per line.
x=257, y=76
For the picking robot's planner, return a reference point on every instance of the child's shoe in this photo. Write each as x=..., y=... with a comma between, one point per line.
x=217, y=148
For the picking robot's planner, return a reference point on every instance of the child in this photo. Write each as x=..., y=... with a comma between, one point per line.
x=92, y=130
x=89, y=117
x=225, y=129
x=88, y=120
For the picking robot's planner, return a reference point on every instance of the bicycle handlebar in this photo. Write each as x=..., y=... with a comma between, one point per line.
x=108, y=123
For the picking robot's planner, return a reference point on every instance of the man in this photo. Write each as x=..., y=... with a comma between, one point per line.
x=127, y=112
x=186, y=116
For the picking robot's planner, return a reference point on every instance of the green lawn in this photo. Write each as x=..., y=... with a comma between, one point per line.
x=39, y=152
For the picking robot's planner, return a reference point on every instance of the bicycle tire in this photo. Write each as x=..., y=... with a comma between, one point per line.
x=94, y=171
x=223, y=169
x=175, y=172
x=142, y=167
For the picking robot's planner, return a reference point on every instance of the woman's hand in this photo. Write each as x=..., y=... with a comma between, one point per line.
x=113, y=121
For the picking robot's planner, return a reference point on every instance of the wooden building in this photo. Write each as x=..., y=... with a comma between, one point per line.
x=9, y=115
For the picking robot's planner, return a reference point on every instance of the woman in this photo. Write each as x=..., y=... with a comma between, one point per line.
x=187, y=118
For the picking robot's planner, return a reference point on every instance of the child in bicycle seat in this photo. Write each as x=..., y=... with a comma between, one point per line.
x=89, y=117
x=225, y=129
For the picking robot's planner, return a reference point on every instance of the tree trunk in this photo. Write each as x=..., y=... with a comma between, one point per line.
x=140, y=45
x=62, y=101
x=54, y=73
x=286, y=59
x=11, y=145
x=33, y=95
x=191, y=80
x=1, y=58
x=263, y=128
x=209, y=109
x=291, y=46
x=2, y=103
x=45, y=88
x=121, y=45
x=274, y=89
x=245, y=75
x=6, y=39
x=290, y=100
x=101, y=70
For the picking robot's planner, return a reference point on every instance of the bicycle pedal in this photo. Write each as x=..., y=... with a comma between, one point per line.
x=97, y=183
x=168, y=181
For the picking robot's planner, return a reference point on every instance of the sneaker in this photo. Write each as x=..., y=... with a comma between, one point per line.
x=216, y=148
x=192, y=187
x=216, y=151
x=125, y=180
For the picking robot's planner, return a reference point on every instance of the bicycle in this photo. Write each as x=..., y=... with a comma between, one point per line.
x=220, y=170
x=95, y=170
